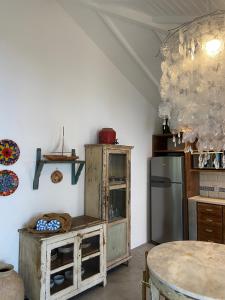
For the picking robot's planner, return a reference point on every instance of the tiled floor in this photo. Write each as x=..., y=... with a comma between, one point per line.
x=123, y=283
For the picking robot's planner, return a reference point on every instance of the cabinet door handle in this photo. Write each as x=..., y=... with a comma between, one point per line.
x=210, y=241
x=209, y=220
x=209, y=230
x=209, y=209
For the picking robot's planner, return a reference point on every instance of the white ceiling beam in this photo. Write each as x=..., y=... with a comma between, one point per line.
x=120, y=37
x=129, y=14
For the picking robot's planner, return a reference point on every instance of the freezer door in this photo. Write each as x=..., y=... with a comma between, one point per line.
x=168, y=166
x=166, y=212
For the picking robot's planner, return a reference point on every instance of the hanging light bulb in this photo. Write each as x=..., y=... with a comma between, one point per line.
x=213, y=47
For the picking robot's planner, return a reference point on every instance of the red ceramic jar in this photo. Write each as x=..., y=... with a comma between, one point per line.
x=107, y=136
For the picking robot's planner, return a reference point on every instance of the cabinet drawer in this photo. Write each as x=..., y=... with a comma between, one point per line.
x=210, y=210
x=209, y=238
x=224, y=224
x=204, y=218
x=210, y=233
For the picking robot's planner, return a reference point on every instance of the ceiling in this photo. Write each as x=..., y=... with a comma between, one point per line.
x=130, y=32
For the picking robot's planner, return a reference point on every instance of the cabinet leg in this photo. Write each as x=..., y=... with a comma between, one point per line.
x=154, y=293
x=126, y=263
x=104, y=282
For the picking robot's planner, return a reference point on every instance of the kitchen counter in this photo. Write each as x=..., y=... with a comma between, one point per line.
x=207, y=200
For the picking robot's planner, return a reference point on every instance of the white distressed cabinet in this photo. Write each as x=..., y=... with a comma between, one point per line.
x=79, y=256
x=107, y=196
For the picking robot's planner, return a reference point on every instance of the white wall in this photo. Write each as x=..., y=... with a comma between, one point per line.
x=51, y=74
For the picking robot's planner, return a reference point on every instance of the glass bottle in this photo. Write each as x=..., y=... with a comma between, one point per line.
x=165, y=127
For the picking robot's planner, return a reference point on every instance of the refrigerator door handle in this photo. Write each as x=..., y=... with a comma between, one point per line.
x=157, y=181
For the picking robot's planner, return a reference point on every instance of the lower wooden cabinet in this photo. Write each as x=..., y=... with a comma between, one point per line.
x=210, y=222
x=63, y=265
x=117, y=248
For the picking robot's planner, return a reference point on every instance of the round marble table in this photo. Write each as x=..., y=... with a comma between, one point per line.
x=187, y=270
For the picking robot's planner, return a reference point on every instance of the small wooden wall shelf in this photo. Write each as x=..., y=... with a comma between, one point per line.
x=40, y=162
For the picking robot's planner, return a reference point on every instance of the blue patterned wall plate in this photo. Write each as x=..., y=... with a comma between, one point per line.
x=8, y=182
x=9, y=152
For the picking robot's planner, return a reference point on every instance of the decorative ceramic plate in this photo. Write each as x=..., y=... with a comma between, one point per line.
x=8, y=182
x=9, y=152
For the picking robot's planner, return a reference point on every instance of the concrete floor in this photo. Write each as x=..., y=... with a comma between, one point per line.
x=123, y=283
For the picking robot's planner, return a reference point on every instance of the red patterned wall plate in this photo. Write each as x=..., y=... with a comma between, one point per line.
x=9, y=152
x=8, y=182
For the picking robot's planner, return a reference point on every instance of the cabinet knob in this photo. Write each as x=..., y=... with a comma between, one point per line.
x=209, y=220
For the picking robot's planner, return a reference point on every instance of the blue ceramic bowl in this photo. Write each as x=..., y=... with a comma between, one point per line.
x=59, y=279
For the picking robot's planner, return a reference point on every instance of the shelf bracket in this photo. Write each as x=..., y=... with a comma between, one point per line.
x=76, y=174
x=38, y=169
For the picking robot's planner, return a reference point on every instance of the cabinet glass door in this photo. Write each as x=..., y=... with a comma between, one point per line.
x=90, y=258
x=117, y=168
x=118, y=179
x=117, y=204
x=61, y=270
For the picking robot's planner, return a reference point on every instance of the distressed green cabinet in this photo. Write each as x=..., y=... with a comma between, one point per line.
x=107, y=196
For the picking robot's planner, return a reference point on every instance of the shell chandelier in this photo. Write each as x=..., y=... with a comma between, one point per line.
x=193, y=82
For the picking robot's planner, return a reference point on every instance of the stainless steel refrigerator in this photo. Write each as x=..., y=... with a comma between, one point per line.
x=167, y=189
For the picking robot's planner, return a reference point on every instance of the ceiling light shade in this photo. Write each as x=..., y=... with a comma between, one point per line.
x=193, y=81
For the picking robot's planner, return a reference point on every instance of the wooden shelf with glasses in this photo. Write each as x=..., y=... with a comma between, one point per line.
x=209, y=165
x=207, y=170
x=163, y=144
